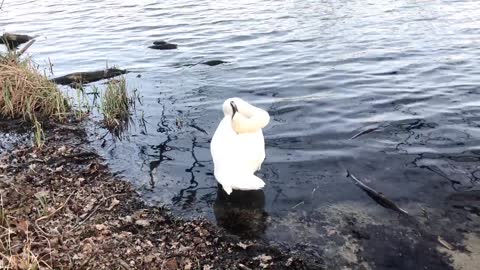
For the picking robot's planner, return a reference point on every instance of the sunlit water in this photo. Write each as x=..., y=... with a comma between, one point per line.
x=325, y=71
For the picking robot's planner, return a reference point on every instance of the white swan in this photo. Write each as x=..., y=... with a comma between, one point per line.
x=238, y=147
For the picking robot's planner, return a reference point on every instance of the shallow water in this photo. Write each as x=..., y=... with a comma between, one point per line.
x=325, y=71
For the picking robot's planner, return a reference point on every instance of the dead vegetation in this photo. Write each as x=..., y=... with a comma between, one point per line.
x=63, y=209
x=26, y=93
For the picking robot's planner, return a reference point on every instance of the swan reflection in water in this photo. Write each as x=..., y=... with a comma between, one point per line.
x=242, y=212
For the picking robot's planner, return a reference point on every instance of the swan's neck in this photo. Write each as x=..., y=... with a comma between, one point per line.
x=244, y=124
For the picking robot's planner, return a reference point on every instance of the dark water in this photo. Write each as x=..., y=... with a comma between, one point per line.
x=325, y=71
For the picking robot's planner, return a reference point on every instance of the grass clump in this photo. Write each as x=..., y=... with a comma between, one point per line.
x=26, y=93
x=115, y=105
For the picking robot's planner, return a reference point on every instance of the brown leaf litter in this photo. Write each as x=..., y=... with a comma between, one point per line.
x=61, y=208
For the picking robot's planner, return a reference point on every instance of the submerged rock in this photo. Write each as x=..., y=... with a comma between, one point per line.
x=208, y=63
x=214, y=63
x=163, y=45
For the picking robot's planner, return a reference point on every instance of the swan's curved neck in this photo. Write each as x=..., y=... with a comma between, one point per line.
x=243, y=123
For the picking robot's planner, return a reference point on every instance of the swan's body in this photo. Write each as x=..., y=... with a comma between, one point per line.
x=238, y=146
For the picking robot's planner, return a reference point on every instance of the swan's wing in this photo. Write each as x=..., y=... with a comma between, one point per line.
x=251, y=151
x=231, y=149
x=236, y=157
x=222, y=140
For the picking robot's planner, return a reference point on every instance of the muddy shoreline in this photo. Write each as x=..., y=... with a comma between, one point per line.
x=64, y=209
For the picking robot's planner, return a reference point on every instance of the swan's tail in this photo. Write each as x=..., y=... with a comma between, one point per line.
x=234, y=180
x=249, y=182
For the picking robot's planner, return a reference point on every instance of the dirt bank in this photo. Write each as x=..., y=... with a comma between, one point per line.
x=62, y=208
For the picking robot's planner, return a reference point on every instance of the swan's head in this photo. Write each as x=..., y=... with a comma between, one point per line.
x=230, y=106
x=245, y=117
x=234, y=108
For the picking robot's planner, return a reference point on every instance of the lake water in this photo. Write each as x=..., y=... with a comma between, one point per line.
x=325, y=71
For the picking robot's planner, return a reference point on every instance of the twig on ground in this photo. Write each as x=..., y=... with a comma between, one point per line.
x=50, y=215
x=94, y=210
x=56, y=210
x=244, y=267
x=444, y=243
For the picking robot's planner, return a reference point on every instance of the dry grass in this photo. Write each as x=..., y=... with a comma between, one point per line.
x=26, y=260
x=26, y=93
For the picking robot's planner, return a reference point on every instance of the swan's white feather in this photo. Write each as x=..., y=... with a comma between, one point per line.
x=236, y=156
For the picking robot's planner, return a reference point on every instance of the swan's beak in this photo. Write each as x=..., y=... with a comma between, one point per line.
x=234, y=108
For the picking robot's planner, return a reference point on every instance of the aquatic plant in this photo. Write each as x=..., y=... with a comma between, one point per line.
x=115, y=104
